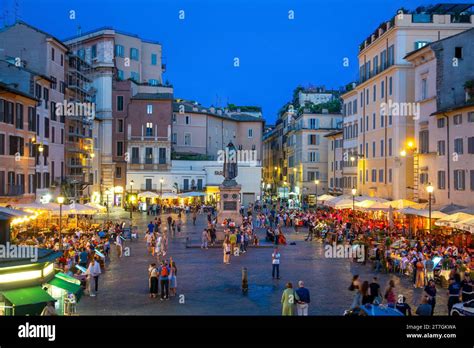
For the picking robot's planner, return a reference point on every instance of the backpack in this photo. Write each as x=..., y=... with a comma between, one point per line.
x=164, y=271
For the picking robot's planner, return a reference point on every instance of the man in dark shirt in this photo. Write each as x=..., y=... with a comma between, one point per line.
x=467, y=288
x=302, y=299
x=403, y=306
x=424, y=309
x=151, y=227
x=374, y=290
x=454, y=291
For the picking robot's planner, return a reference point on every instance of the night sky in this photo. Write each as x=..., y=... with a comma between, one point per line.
x=276, y=53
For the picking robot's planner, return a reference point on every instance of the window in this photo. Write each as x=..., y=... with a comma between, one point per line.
x=373, y=121
x=134, y=53
x=52, y=54
x=174, y=138
x=119, y=148
x=119, y=51
x=440, y=122
x=53, y=135
x=46, y=127
x=120, y=126
x=54, y=82
x=135, y=155
x=390, y=146
x=470, y=145
x=457, y=119
x=118, y=172
x=149, y=109
x=46, y=97
x=94, y=51
x=382, y=118
x=373, y=149
x=441, y=179
x=62, y=136
x=390, y=85
x=119, y=103
x=459, y=180
x=148, y=155
x=312, y=139
x=458, y=52
x=381, y=175
x=366, y=175
x=367, y=96
x=250, y=133
x=374, y=97
x=424, y=141
x=187, y=139
x=366, y=150
x=424, y=89
x=135, y=76
x=389, y=120
x=154, y=59
x=441, y=148
x=458, y=146
x=313, y=123
x=153, y=82
x=120, y=75
x=185, y=184
x=420, y=44
x=187, y=120
x=382, y=148
x=149, y=129
x=383, y=60
x=424, y=178
x=199, y=184
x=2, y=144
x=162, y=155
x=19, y=116
x=470, y=116
x=471, y=176
x=374, y=175
x=390, y=175
x=81, y=53
x=52, y=113
x=391, y=55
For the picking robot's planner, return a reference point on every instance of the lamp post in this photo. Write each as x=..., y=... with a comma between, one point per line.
x=60, y=200
x=316, y=182
x=430, y=190
x=161, y=194
x=130, y=198
x=107, y=192
x=354, y=191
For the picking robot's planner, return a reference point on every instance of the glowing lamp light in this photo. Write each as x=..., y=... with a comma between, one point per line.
x=316, y=182
x=60, y=199
x=429, y=188
x=354, y=191
x=410, y=144
x=403, y=153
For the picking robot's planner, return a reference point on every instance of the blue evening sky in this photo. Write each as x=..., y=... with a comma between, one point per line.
x=276, y=54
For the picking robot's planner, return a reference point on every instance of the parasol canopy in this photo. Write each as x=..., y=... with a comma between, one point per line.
x=453, y=219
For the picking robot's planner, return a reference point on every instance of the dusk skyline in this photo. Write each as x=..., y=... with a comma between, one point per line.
x=276, y=54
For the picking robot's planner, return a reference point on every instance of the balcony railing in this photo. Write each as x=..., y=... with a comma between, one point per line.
x=461, y=18
x=13, y=190
x=152, y=187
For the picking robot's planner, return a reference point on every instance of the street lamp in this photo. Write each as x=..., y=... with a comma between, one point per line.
x=430, y=190
x=107, y=193
x=60, y=200
x=130, y=198
x=354, y=191
x=316, y=182
x=161, y=194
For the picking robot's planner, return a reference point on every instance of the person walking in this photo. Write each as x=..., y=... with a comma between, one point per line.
x=153, y=280
x=430, y=292
x=454, y=291
x=303, y=301
x=288, y=300
x=390, y=296
x=173, y=279
x=204, y=239
x=420, y=274
x=93, y=272
x=226, y=249
x=119, y=244
x=164, y=281
x=374, y=291
x=194, y=216
x=276, y=264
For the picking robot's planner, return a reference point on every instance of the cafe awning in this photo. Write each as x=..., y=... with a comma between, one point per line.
x=451, y=220
x=423, y=213
x=65, y=282
x=466, y=225
x=27, y=296
x=403, y=203
x=325, y=197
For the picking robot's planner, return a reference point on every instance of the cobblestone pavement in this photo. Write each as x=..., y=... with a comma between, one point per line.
x=208, y=287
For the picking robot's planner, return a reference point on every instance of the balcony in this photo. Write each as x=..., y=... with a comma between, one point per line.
x=145, y=187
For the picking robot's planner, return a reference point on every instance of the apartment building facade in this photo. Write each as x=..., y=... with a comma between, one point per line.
x=350, y=154
x=115, y=56
x=45, y=55
x=17, y=156
x=306, y=154
x=335, y=162
x=387, y=101
x=445, y=130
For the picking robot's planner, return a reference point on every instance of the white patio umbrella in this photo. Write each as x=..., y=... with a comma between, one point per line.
x=192, y=194
x=435, y=214
x=148, y=194
x=452, y=219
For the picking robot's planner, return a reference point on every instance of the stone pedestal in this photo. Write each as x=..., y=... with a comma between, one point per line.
x=229, y=206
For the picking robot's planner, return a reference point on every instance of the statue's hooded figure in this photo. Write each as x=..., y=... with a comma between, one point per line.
x=230, y=162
